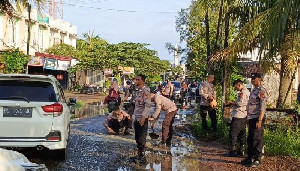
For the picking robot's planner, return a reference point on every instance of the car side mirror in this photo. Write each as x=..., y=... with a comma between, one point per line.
x=72, y=101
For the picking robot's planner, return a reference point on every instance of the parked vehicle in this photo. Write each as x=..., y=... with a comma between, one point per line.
x=33, y=113
x=198, y=96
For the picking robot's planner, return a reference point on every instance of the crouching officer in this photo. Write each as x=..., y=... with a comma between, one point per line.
x=163, y=103
x=239, y=120
x=256, y=108
x=116, y=120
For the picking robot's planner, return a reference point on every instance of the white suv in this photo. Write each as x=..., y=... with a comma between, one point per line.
x=33, y=113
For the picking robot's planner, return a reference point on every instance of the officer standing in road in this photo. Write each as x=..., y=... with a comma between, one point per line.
x=163, y=103
x=256, y=109
x=141, y=112
x=208, y=95
x=239, y=120
x=169, y=88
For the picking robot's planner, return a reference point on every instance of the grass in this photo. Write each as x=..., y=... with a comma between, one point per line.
x=79, y=104
x=284, y=140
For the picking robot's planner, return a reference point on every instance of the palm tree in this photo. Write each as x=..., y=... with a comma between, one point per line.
x=274, y=28
x=6, y=6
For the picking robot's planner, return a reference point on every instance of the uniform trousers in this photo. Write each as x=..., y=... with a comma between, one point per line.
x=167, y=128
x=140, y=134
x=237, y=132
x=255, y=139
x=212, y=114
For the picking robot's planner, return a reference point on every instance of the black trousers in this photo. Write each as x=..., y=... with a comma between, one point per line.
x=140, y=135
x=212, y=114
x=237, y=132
x=255, y=139
x=115, y=125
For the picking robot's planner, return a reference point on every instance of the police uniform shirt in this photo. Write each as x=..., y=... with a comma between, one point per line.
x=169, y=89
x=240, y=105
x=163, y=103
x=207, y=89
x=142, y=103
x=257, y=102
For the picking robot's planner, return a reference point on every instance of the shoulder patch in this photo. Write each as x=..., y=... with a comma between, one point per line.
x=146, y=95
x=262, y=94
x=241, y=95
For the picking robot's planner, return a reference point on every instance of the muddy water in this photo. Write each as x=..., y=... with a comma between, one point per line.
x=89, y=110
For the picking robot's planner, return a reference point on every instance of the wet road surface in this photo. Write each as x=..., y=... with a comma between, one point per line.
x=92, y=148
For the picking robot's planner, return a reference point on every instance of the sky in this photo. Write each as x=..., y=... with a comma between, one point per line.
x=140, y=21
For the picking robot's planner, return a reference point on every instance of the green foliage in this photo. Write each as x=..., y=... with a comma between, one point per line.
x=177, y=72
x=79, y=104
x=62, y=50
x=283, y=141
x=14, y=60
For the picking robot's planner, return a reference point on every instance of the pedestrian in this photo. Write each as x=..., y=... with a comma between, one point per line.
x=239, y=120
x=208, y=97
x=256, y=109
x=163, y=103
x=116, y=120
x=183, y=94
x=169, y=88
x=113, y=98
x=141, y=112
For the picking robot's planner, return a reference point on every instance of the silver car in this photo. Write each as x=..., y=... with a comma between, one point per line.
x=33, y=113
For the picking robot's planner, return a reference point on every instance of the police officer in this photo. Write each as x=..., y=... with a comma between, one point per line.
x=239, y=120
x=169, y=88
x=208, y=94
x=256, y=108
x=141, y=112
x=163, y=103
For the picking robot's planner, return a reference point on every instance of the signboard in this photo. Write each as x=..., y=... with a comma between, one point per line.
x=128, y=70
x=50, y=64
x=63, y=65
x=108, y=71
x=36, y=61
x=42, y=19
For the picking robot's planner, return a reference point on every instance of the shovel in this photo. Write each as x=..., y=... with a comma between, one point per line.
x=153, y=135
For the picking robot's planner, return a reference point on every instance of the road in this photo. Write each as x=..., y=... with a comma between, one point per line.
x=91, y=148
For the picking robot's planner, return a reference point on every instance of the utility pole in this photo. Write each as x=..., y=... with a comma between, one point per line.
x=28, y=29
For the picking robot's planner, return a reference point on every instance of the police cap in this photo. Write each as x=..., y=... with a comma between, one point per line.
x=255, y=75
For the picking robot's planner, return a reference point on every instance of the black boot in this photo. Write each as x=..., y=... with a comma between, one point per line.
x=255, y=163
x=232, y=152
x=141, y=157
x=247, y=161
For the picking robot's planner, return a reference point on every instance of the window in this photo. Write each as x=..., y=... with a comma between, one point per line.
x=38, y=91
x=12, y=32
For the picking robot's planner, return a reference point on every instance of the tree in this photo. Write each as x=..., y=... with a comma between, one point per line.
x=274, y=29
x=14, y=60
x=62, y=50
x=6, y=6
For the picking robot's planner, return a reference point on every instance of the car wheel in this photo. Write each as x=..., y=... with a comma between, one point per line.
x=61, y=154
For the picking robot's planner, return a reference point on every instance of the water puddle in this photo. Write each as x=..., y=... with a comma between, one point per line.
x=89, y=110
x=187, y=115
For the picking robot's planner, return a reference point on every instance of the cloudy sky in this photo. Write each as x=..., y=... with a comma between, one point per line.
x=142, y=21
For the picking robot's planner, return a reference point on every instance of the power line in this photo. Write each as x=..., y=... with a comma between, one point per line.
x=111, y=9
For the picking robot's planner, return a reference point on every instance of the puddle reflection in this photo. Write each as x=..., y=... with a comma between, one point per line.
x=89, y=110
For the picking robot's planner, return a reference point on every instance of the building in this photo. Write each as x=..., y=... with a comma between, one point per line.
x=44, y=33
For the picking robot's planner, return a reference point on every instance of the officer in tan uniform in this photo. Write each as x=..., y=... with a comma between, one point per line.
x=169, y=88
x=116, y=120
x=141, y=112
x=163, y=103
x=239, y=120
x=208, y=94
x=256, y=109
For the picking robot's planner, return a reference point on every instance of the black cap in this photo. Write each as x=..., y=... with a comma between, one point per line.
x=237, y=81
x=255, y=75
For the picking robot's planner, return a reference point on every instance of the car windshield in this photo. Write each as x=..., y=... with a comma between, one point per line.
x=38, y=91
